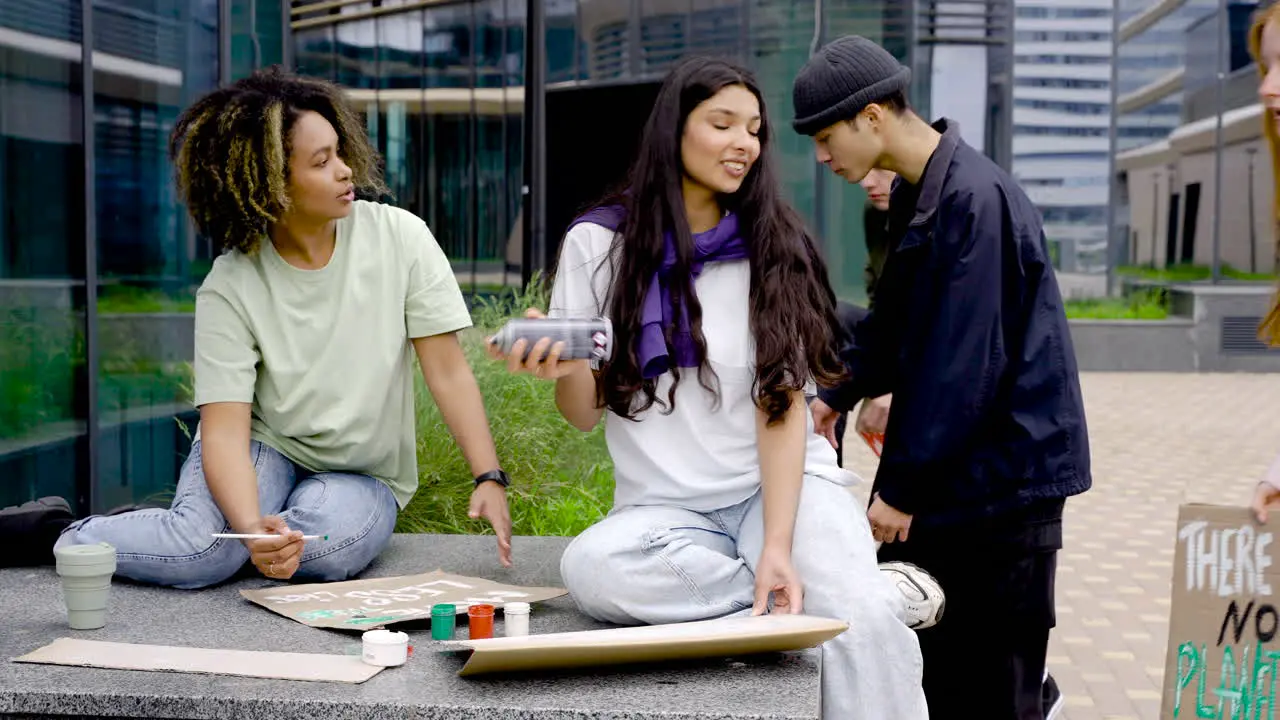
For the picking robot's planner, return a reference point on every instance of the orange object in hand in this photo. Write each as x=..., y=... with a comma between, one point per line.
x=875, y=441
x=480, y=621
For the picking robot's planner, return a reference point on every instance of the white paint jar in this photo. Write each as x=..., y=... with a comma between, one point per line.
x=385, y=648
x=515, y=619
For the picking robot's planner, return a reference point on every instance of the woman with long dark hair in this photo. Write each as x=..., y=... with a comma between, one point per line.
x=726, y=502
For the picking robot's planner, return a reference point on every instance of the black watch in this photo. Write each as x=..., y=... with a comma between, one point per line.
x=499, y=476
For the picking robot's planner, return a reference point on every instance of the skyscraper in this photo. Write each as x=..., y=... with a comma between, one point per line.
x=1062, y=101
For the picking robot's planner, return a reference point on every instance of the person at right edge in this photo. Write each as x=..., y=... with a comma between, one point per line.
x=987, y=437
x=1264, y=46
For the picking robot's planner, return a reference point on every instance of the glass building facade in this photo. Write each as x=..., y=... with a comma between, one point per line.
x=98, y=260
x=1147, y=58
x=442, y=90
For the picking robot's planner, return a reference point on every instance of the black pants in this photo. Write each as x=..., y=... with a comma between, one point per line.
x=986, y=657
x=850, y=315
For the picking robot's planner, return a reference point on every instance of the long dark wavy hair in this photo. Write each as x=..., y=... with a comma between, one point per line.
x=793, y=316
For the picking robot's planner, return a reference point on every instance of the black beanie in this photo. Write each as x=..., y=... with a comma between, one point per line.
x=841, y=79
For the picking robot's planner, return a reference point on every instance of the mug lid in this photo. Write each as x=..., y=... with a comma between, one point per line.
x=95, y=554
x=385, y=637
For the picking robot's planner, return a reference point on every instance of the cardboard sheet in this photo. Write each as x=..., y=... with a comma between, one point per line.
x=377, y=602
x=1223, y=656
x=165, y=658
x=724, y=637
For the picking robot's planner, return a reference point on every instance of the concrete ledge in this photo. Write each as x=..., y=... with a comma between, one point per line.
x=1134, y=345
x=1211, y=328
x=760, y=687
x=1226, y=320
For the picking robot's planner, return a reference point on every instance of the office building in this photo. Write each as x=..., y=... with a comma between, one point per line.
x=444, y=90
x=1061, y=116
x=1167, y=165
x=98, y=262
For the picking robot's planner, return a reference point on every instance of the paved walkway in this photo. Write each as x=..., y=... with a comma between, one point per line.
x=1158, y=441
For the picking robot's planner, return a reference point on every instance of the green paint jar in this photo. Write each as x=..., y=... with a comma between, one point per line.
x=444, y=618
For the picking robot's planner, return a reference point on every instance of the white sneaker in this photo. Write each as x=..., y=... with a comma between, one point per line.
x=924, y=598
x=1051, y=698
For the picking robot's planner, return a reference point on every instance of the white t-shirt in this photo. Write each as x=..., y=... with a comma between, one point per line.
x=703, y=456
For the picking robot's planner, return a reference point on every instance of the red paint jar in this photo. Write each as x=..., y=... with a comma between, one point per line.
x=480, y=621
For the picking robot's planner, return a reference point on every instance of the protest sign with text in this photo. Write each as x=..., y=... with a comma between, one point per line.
x=1221, y=659
x=362, y=604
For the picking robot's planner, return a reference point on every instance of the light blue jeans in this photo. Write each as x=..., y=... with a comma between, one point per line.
x=175, y=547
x=650, y=565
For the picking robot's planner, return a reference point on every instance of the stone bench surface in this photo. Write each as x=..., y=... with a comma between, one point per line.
x=32, y=615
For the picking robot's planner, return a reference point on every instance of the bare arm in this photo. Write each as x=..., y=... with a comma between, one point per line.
x=576, y=397
x=228, y=471
x=453, y=385
x=454, y=388
x=781, y=447
x=782, y=453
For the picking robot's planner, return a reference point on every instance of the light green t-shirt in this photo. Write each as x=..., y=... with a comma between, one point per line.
x=325, y=355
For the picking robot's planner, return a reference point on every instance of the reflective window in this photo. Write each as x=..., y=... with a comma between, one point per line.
x=43, y=445
x=440, y=90
x=151, y=59
x=257, y=35
x=150, y=260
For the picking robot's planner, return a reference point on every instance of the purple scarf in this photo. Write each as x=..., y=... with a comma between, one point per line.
x=721, y=242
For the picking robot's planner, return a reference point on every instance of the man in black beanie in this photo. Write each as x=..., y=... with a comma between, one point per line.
x=987, y=435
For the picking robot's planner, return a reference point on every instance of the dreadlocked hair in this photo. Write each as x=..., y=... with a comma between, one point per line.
x=231, y=152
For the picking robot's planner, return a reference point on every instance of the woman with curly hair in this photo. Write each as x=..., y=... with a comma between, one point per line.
x=306, y=330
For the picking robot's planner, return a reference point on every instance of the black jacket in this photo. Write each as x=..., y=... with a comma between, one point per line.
x=875, y=226
x=876, y=229
x=970, y=336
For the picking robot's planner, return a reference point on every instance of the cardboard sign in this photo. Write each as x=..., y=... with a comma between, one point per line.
x=373, y=602
x=723, y=637
x=166, y=658
x=1223, y=653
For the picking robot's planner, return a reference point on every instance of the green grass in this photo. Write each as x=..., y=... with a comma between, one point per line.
x=1185, y=273
x=1138, y=306
x=562, y=478
x=1151, y=302
x=121, y=299
x=40, y=359
x=42, y=362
